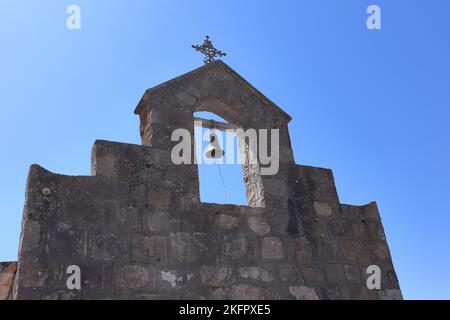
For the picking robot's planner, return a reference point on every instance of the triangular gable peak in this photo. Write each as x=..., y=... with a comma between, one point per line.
x=216, y=88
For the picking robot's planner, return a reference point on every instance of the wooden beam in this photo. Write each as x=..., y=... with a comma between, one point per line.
x=212, y=124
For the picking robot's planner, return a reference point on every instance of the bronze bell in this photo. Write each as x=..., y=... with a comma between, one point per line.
x=214, y=150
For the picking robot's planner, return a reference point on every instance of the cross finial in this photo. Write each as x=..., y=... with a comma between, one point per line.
x=208, y=50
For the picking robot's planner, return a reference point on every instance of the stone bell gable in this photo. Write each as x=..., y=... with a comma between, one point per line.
x=137, y=229
x=214, y=87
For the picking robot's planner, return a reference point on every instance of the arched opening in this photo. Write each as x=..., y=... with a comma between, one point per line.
x=220, y=180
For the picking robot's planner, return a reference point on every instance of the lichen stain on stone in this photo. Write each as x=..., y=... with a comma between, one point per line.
x=174, y=279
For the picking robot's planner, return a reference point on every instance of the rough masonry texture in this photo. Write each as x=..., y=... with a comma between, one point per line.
x=137, y=229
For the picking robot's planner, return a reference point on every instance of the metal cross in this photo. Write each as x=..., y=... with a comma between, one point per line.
x=208, y=50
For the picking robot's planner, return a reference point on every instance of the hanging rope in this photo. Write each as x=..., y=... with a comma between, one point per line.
x=212, y=131
x=223, y=183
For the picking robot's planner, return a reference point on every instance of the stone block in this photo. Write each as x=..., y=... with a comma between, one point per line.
x=158, y=221
x=107, y=247
x=286, y=155
x=217, y=276
x=258, y=225
x=245, y=292
x=331, y=292
x=323, y=209
x=325, y=251
x=96, y=278
x=32, y=234
x=7, y=274
x=160, y=199
x=352, y=273
x=136, y=276
x=354, y=252
x=255, y=273
x=356, y=292
x=312, y=273
x=188, y=247
x=335, y=274
x=150, y=249
x=219, y=294
x=289, y=273
x=302, y=250
x=275, y=187
x=226, y=221
x=316, y=229
x=238, y=247
x=271, y=248
x=390, y=278
x=379, y=253
x=279, y=223
x=174, y=279
x=350, y=212
x=303, y=293
x=61, y=295
x=339, y=228
x=370, y=211
x=390, y=294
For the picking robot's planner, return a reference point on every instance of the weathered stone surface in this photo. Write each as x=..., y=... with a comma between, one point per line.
x=335, y=273
x=137, y=229
x=216, y=276
x=226, y=221
x=158, y=221
x=219, y=294
x=276, y=187
x=7, y=274
x=391, y=278
x=381, y=252
x=136, y=276
x=35, y=275
x=288, y=272
x=174, y=279
x=255, y=273
x=302, y=250
x=150, y=249
x=338, y=228
x=390, y=294
x=313, y=273
x=272, y=248
x=323, y=209
x=326, y=251
x=354, y=252
x=61, y=295
x=160, y=199
x=33, y=233
x=237, y=248
x=352, y=273
x=331, y=292
x=258, y=225
x=187, y=247
x=303, y=293
x=281, y=223
x=245, y=292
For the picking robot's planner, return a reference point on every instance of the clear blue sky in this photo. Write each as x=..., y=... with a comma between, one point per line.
x=372, y=105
